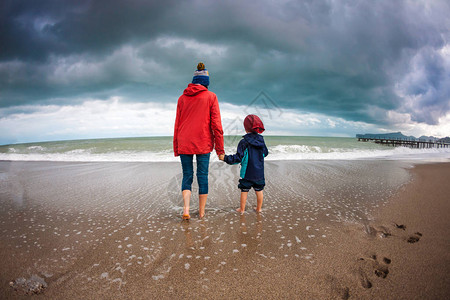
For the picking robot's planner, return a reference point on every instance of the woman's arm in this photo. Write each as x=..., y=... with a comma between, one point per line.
x=216, y=126
x=175, y=129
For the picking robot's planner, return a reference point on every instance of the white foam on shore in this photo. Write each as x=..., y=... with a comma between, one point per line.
x=297, y=152
x=276, y=153
x=83, y=156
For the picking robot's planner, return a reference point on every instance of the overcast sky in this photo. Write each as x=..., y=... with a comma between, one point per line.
x=87, y=69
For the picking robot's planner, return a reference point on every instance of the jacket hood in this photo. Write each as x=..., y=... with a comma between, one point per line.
x=254, y=139
x=194, y=89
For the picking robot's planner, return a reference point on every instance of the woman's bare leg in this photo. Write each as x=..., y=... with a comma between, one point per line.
x=201, y=204
x=186, y=200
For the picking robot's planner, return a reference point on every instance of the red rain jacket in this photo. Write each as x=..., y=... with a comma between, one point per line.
x=198, y=127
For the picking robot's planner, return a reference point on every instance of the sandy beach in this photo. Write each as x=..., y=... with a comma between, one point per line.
x=329, y=230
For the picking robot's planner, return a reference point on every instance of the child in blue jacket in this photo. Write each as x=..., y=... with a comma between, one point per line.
x=250, y=154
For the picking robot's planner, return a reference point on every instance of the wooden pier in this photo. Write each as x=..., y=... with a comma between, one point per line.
x=405, y=143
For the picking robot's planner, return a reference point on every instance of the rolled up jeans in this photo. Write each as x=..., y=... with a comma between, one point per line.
x=188, y=172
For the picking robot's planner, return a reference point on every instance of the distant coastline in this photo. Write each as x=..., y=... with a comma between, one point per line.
x=401, y=136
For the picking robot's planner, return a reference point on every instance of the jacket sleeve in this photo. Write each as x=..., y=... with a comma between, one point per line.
x=175, y=130
x=265, y=150
x=236, y=158
x=216, y=126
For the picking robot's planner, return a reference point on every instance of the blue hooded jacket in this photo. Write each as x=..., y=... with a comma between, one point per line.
x=251, y=151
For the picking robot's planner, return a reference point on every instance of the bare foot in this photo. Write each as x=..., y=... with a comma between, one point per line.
x=255, y=209
x=239, y=210
x=186, y=215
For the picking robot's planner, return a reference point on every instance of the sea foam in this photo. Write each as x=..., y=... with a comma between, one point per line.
x=160, y=150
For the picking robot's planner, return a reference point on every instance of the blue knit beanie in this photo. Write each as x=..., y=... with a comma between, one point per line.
x=201, y=75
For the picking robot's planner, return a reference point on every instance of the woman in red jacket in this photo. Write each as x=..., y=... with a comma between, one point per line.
x=198, y=130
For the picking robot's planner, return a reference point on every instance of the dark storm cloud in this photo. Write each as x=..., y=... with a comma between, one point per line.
x=333, y=57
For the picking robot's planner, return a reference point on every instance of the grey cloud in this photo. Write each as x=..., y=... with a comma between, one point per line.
x=427, y=87
x=331, y=57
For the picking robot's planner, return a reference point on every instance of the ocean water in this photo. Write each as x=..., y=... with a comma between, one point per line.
x=159, y=149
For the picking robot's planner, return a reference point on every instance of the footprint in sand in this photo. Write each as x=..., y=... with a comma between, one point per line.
x=378, y=231
x=414, y=238
x=380, y=269
x=365, y=282
x=400, y=226
x=387, y=260
x=337, y=290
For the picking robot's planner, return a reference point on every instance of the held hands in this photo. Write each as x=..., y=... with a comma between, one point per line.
x=221, y=157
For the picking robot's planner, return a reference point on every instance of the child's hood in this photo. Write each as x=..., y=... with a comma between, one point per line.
x=254, y=139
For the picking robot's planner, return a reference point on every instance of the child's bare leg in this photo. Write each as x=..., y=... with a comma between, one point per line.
x=186, y=200
x=241, y=209
x=259, y=200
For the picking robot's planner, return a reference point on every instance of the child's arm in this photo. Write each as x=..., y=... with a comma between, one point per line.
x=236, y=158
x=265, y=150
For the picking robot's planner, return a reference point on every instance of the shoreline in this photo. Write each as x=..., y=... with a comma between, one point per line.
x=311, y=241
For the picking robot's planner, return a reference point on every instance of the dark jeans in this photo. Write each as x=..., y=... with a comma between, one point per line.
x=188, y=172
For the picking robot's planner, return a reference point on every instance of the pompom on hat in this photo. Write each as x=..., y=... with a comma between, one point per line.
x=253, y=123
x=201, y=75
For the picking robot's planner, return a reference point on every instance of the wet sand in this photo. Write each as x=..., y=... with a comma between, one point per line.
x=327, y=231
